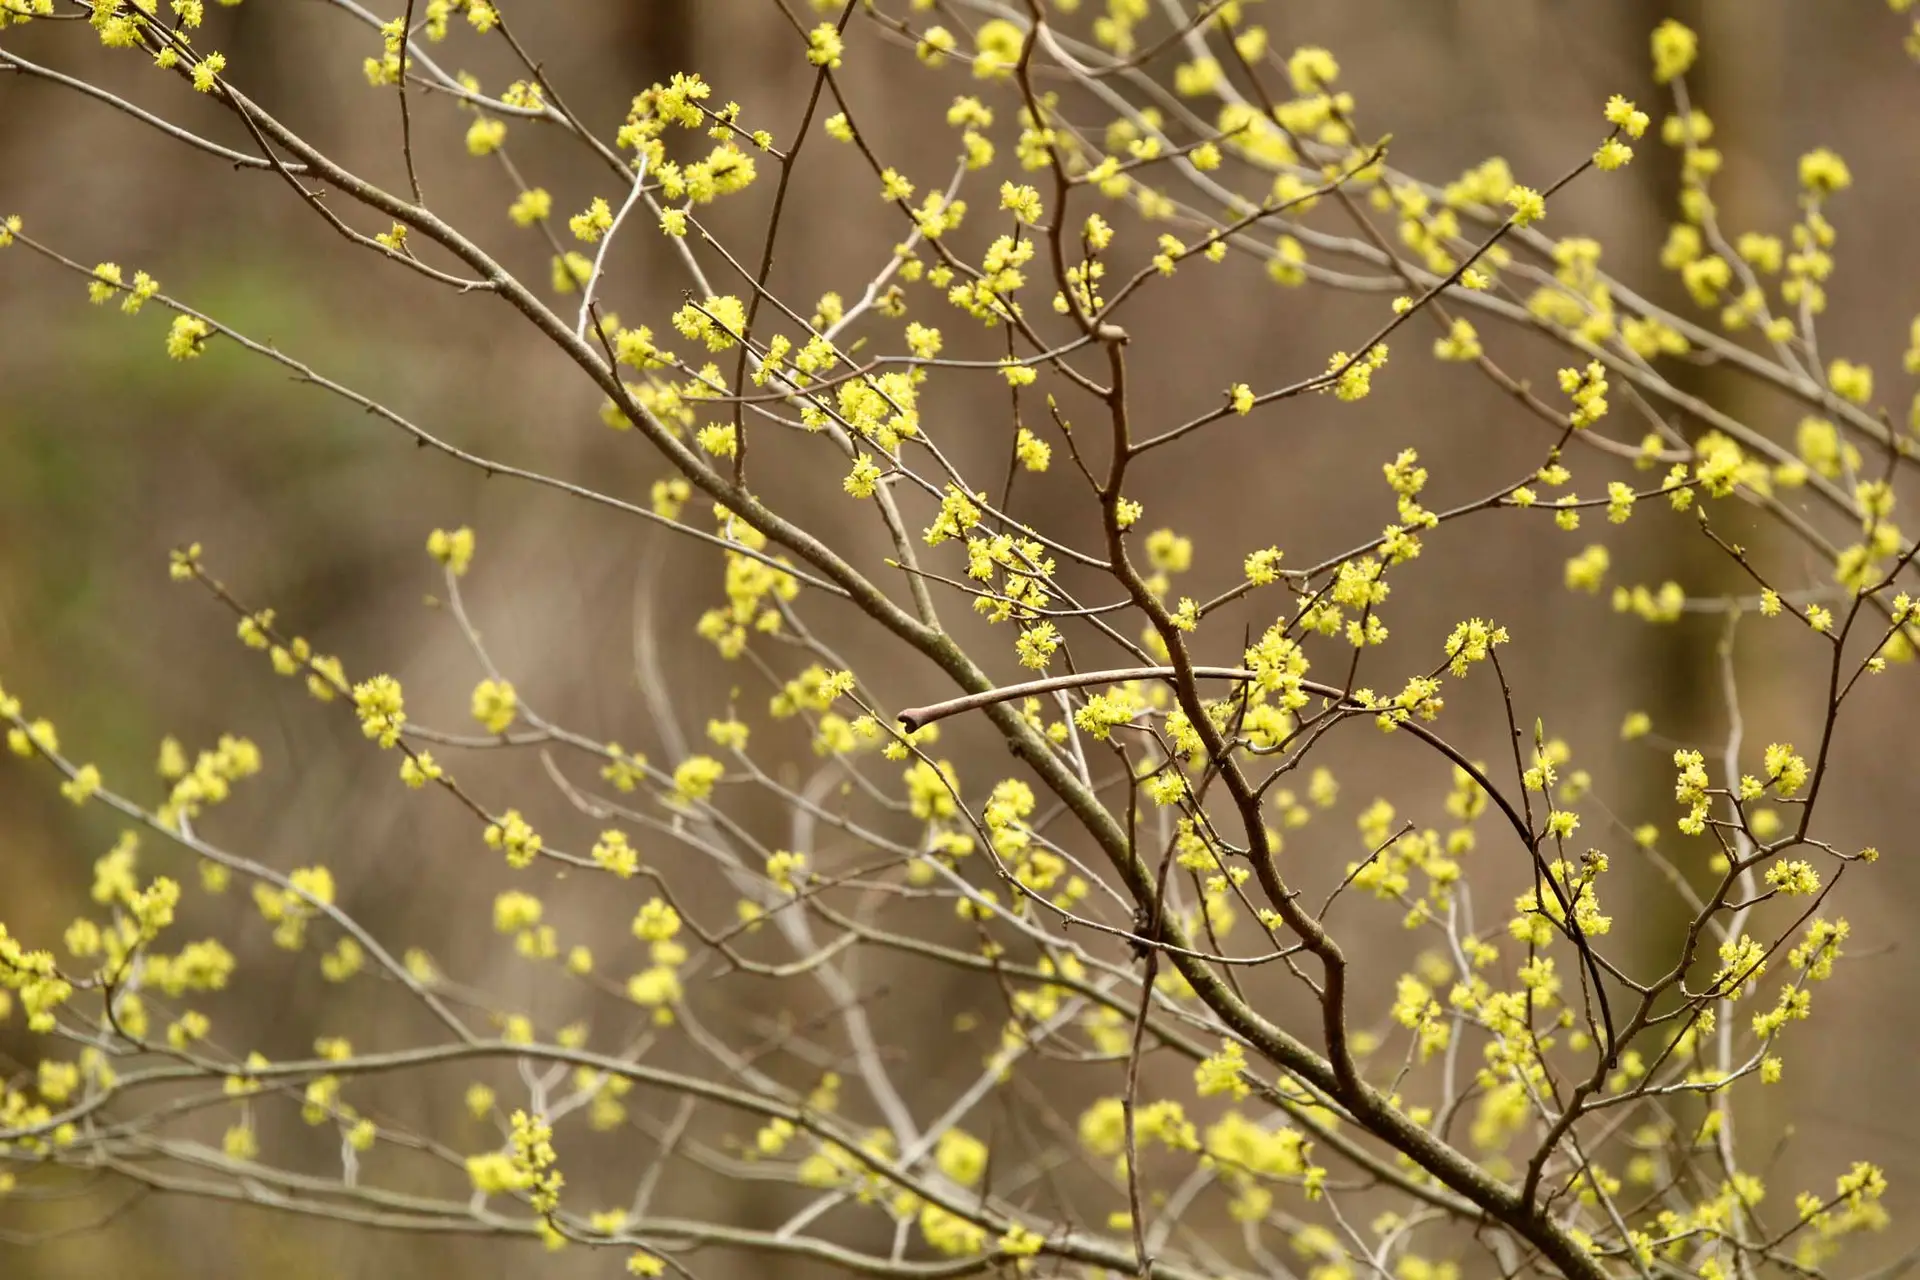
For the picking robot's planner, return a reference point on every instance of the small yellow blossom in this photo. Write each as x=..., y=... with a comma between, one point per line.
x=495, y=704
x=1674, y=48
x=1528, y=206
x=824, y=46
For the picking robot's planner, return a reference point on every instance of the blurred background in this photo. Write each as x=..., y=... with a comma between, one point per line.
x=110, y=455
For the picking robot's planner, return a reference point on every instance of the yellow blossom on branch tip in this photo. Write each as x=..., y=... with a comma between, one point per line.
x=1674, y=49
x=207, y=70
x=512, y=835
x=570, y=271
x=454, y=548
x=1528, y=206
x=418, y=770
x=1850, y=381
x=999, y=43
x=695, y=778
x=1311, y=69
x=485, y=135
x=495, y=704
x=187, y=337
x=1626, y=116
x=106, y=283
x=1033, y=453
x=864, y=479
x=381, y=709
x=1822, y=172
x=1263, y=567
x=935, y=44
x=1612, y=154
x=84, y=784
x=1461, y=342
x=718, y=321
x=1023, y=200
x=1354, y=375
x=595, y=222
x=824, y=46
